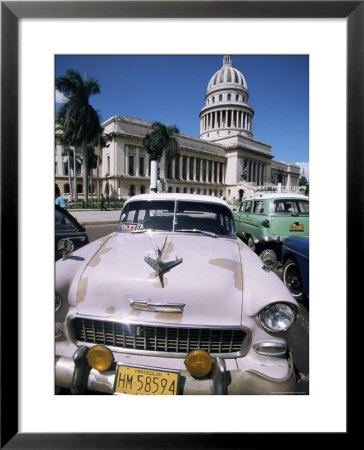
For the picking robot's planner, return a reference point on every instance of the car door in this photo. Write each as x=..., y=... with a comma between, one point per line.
x=238, y=218
x=66, y=227
x=245, y=226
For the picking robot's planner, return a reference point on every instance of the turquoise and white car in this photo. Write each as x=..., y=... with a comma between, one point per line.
x=265, y=220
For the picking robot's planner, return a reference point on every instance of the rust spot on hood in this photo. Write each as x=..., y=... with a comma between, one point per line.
x=169, y=317
x=82, y=290
x=234, y=266
x=110, y=310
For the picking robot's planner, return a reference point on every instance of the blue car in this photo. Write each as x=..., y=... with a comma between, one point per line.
x=295, y=260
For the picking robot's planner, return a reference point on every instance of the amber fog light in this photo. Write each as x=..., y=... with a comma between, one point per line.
x=198, y=363
x=100, y=357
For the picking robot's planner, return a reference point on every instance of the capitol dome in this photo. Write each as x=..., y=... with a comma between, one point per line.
x=227, y=75
x=226, y=112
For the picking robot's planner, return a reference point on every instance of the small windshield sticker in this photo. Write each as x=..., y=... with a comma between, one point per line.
x=130, y=226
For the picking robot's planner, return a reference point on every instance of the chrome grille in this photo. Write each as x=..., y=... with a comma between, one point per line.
x=157, y=338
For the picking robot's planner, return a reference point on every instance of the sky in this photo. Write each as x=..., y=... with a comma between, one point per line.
x=171, y=89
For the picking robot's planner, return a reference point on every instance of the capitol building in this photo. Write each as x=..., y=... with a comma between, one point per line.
x=212, y=164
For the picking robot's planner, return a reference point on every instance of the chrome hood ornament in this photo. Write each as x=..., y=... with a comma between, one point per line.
x=158, y=265
x=147, y=305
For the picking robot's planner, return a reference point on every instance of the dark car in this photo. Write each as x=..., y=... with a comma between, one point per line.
x=67, y=227
x=295, y=260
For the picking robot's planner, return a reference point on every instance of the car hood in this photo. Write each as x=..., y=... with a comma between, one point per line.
x=208, y=280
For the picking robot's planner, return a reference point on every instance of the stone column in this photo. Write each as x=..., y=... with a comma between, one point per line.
x=187, y=168
x=180, y=167
x=194, y=169
x=146, y=163
x=126, y=160
x=212, y=171
x=137, y=161
x=173, y=174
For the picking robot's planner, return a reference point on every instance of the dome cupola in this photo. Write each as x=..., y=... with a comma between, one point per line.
x=226, y=112
x=227, y=76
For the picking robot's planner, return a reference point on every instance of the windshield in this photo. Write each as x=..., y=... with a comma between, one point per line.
x=177, y=216
x=291, y=206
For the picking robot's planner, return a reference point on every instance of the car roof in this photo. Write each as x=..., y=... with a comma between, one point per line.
x=177, y=196
x=274, y=195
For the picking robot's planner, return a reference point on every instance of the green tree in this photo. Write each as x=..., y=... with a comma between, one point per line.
x=166, y=135
x=161, y=140
x=80, y=121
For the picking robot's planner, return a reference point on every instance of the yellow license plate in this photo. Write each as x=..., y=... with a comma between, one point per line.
x=297, y=227
x=146, y=381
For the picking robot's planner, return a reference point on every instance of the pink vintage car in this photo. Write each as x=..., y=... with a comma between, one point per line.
x=172, y=303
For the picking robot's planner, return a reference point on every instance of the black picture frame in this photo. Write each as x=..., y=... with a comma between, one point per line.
x=11, y=13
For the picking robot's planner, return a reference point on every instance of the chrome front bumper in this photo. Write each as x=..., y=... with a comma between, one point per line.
x=75, y=374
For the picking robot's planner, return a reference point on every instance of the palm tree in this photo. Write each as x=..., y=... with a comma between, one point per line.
x=161, y=140
x=92, y=159
x=80, y=121
x=102, y=140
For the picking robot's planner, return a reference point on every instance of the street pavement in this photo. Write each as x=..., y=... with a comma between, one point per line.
x=95, y=217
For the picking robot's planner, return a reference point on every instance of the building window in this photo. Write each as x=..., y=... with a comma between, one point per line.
x=131, y=190
x=220, y=98
x=177, y=168
x=141, y=166
x=66, y=188
x=169, y=170
x=229, y=96
x=198, y=167
x=79, y=189
x=142, y=189
x=65, y=168
x=108, y=165
x=237, y=97
x=131, y=165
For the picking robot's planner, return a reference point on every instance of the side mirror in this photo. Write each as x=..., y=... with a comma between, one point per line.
x=269, y=259
x=65, y=246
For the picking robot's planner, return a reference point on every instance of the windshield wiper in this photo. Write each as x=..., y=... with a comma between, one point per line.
x=195, y=230
x=144, y=230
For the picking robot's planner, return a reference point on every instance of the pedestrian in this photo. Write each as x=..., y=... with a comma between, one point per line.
x=102, y=198
x=60, y=201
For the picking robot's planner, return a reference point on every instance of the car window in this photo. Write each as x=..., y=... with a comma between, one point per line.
x=259, y=207
x=209, y=217
x=248, y=206
x=291, y=206
x=176, y=216
x=62, y=222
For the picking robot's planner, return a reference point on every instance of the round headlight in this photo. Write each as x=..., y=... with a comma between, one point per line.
x=100, y=357
x=277, y=317
x=198, y=363
x=57, y=301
